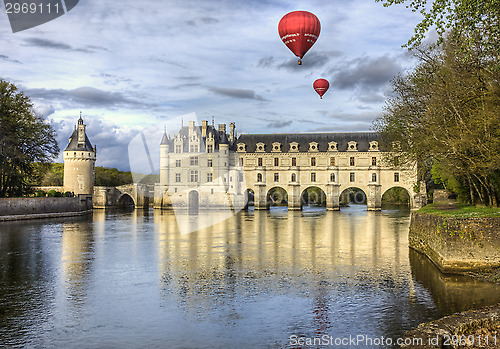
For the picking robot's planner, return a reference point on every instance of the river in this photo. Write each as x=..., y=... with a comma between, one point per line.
x=259, y=279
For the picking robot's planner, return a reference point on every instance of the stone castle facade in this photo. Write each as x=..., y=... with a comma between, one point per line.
x=204, y=166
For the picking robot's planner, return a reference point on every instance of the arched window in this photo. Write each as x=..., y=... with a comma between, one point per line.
x=374, y=177
x=294, y=177
x=332, y=177
x=259, y=177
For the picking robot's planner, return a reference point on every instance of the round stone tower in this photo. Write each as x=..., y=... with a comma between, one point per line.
x=79, y=162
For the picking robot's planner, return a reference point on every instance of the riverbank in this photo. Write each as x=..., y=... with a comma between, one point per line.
x=459, y=239
x=12, y=209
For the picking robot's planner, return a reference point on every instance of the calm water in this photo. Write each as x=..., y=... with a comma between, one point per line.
x=131, y=280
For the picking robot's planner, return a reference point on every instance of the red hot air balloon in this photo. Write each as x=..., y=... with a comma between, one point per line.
x=321, y=86
x=299, y=30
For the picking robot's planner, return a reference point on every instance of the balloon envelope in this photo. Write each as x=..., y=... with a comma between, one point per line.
x=321, y=86
x=299, y=30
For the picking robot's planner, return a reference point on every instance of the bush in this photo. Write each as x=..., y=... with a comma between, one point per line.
x=40, y=194
x=51, y=193
x=58, y=194
x=68, y=194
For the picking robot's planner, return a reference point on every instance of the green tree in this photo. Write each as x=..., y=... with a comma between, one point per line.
x=24, y=140
x=447, y=112
x=475, y=20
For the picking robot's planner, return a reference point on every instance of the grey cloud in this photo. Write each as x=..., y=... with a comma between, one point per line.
x=365, y=73
x=86, y=96
x=236, y=93
x=8, y=59
x=202, y=20
x=45, y=43
x=279, y=124
x=310, y=60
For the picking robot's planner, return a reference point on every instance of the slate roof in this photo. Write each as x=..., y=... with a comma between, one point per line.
x=74, y=146
x=303, y=139
x=219, y=137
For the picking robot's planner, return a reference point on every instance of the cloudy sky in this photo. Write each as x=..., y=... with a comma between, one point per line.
x=130, y=65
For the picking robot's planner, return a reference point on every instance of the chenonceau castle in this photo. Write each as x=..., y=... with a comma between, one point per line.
x=203, y=166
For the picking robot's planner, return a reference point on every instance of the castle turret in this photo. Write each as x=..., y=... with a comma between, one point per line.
x=164, y=158
x=79, y=162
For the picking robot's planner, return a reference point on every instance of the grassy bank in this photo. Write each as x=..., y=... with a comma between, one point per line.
x=460, y=211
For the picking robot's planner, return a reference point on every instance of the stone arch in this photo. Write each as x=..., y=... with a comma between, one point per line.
x=313, y=196
x=410, y=199
x=193, y=200
x=277, y=196
x=353, y=194
x=125, y=200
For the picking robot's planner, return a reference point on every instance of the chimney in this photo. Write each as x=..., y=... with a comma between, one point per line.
x=191, y=128
x=204, y=124
x=222, y=128
x=231, y=132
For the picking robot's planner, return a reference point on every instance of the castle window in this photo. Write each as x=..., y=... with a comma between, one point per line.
x=193, y=161
x=276, y=177
x=352, y=145
x=194, y=176
x=313, y=161
x=240, y=176
x=177, y=177
x=210, y=163
x=276, y=147
x=294, y=146
x=193, y=148
x=313, y=177
x=276, y=161
x=177, y=163
x=175, y=190
x=294, y=161
x=374, y=161
x=374, y=177
x=294, y=177
x=313, y=146
x=178, y=148
x=260, y=147
x=210, y=177
x=259, y=162
x=351, y=161
x=210, y=148
x=332, y=161
x=373, y=145
x=332, y=146
x=259, y=177
x=352, y=177
x=241, y=161
x=396, y=177
x=332, y=177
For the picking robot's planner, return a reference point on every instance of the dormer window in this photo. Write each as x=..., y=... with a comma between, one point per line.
x=352, y=146
x=276, y=147
x=241, y=147
x=313, y=146
x=332, y=146
x=373, y=146
x=260, y=147
x=294, y=147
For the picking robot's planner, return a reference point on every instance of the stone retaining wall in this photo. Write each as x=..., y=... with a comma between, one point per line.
x=27, y=208
x=457, y=329
x=456, y=245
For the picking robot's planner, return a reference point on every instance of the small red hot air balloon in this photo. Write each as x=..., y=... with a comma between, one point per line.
x=299, y=30
x=321, y=86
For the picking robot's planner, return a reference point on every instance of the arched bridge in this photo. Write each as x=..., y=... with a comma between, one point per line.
x=128, y=195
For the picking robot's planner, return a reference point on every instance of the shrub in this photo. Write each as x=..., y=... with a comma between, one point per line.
x=40, y=194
